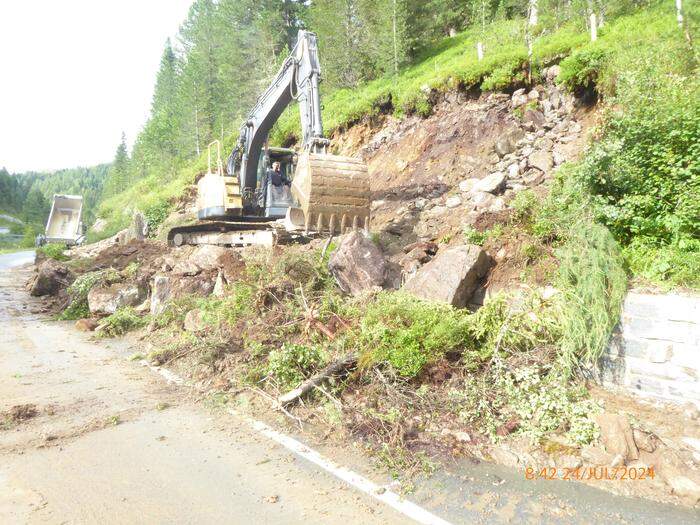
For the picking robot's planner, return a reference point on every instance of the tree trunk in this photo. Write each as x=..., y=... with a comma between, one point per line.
x=332, y=369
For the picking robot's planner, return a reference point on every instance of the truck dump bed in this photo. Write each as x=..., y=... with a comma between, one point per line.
x=64, y=224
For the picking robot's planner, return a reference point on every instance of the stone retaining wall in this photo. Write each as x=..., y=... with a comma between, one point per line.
x=655, y=352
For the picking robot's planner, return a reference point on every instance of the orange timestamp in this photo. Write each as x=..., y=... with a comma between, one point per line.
x=591, y=473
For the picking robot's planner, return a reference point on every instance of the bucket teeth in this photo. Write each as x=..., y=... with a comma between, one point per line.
x=323, y=224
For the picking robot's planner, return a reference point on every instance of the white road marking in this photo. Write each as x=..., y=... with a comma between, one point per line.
x=167, y=374
x=381, y=493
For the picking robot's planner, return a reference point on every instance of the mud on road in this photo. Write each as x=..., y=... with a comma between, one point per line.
x=99, y=438
x=88, y=436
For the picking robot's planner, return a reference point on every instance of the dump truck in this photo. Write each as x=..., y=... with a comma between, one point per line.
x=238, y=206
x=65, y=221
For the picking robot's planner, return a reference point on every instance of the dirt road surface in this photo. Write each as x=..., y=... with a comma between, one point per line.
x=103, y=439
x=112, y=442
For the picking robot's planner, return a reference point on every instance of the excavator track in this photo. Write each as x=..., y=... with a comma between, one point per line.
x=233, y=233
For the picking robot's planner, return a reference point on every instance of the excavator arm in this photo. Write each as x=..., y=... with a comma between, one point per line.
x=298, y=79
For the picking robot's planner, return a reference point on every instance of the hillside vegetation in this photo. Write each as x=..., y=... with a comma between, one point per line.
x=641, y=65
x=570, y=238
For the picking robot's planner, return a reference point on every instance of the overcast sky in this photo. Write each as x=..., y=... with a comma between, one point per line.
x=74, y=74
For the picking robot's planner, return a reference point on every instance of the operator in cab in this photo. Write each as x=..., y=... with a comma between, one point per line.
x=278, y=181
x=277, y=177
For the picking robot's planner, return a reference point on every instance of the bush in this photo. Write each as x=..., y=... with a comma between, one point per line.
x=156, y=214
x=54, y=251
x=537, y=401
x=644, y=168
x=293, y=363
x=122, y=321
x=407, y=333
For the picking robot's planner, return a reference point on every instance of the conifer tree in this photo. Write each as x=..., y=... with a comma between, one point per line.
x=118, y=177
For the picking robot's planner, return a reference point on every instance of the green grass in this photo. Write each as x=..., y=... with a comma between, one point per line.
x=53, y=251
x=450, y=64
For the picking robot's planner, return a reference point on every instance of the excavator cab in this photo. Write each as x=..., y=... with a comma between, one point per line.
x=276, y=200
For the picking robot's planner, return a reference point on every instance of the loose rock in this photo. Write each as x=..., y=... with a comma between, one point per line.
x=542, y=160
x=453, y=202
x=51, y=278
x=494, y=183
x=108, y=299
x=86, y=325
x=194, y=322
x=358, y=264
x=616, y=434
x=452, y=276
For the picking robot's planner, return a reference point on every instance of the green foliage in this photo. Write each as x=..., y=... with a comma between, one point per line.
x=292, y=363
x=523, y=206
x=581, y=69
x=408, y=333
x=539, y=402
x=118, y=177
x=54, y=251
x=473, y=236
x=36, y=207
x=78, y=291
x=644, y=168
x=122, y=321
x=669, y=265
x=229, y=309
x=156, y=214
x=591, y=274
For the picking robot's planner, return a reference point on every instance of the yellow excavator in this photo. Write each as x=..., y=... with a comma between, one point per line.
x=241, y=206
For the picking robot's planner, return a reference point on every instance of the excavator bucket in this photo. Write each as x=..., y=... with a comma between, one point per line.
x=333, y=193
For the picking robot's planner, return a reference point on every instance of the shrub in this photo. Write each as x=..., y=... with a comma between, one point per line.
x=54, y=251
x=156, y=214
x=293, y=363
x=539, y=402
x=122, y=321
x=407, y=333
x=523, y=206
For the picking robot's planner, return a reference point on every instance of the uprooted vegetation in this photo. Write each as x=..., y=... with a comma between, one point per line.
x=421, y=377
x=507, y=369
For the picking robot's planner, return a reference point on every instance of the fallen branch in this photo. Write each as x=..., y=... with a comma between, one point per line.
x=314, y=381
x=276, y=404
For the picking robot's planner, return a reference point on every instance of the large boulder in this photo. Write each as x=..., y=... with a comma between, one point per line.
x=358, y=264
x=165, y=289
x=51, y=278
x=452, y=276
x=105, y=300
x=494, y=183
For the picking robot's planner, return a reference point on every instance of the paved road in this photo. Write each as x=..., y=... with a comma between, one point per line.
x=112, y=442
x=10, y=260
